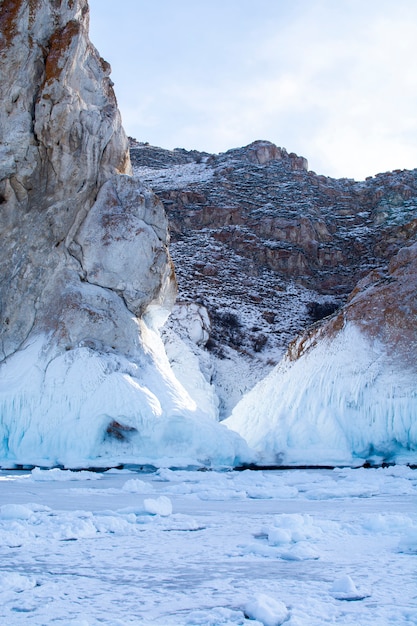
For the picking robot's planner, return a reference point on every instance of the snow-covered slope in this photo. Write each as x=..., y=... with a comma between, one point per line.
x=340, y=403
x=346, y=392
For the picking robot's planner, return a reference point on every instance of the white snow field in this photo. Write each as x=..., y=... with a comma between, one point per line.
x=293, y=547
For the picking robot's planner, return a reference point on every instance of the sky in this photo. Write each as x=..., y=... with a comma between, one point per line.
x=332, y=80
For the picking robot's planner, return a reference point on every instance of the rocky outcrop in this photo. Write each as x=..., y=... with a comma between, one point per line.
x=68, y=217
x=383, y=306
x=61, y=139
x=86, y=277
x=346, y=391
x=324, y=233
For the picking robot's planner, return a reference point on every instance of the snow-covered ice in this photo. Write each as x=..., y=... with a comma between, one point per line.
x=188, y=548
x=344, y=401
x=176, y=176
x=96, y=408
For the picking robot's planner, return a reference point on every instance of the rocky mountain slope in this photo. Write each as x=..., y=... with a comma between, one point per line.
x=268, y=247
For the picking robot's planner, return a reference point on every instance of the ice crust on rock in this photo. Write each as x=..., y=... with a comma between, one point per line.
x=346, y=391
x=339, y=403
x=85, y=408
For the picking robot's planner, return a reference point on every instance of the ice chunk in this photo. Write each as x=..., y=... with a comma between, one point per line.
x=16, y=582
x=134, y=485
x=279, y=536
x=292, y=527
x=344, y=588
x=300, y=552
x=158, y=506
x=15, y=511
x=267, y=610
x=57, y=474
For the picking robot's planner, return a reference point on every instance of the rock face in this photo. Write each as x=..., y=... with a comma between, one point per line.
x=269, y=247
x=346, y=392
x=84, y=266
x=266, y=206
x=61, y=140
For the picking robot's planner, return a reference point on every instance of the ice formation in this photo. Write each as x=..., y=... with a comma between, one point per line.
x=338, y=404
x=346, y=392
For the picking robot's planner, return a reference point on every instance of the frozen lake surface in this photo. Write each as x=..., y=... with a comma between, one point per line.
x=299, y=547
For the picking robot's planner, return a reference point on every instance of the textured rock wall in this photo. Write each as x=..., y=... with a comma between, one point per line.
x=383, y=306
x=264, y=204
x=61, y=140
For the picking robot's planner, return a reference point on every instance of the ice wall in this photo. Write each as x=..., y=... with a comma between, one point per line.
x=340, y=403
x=92, y=408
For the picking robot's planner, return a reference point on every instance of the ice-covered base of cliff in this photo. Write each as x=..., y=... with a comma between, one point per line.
x=338, y=404
x=299, y=548
x=90, y=408
x=343, y=402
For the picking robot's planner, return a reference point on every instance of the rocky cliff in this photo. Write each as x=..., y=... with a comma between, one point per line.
x=85, y=271
x=61, y=140
x=269, y=247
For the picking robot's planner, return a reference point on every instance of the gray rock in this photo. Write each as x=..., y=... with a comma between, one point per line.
x=69, y=212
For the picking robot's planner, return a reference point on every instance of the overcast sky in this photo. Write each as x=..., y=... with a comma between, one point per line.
x=332, y=80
